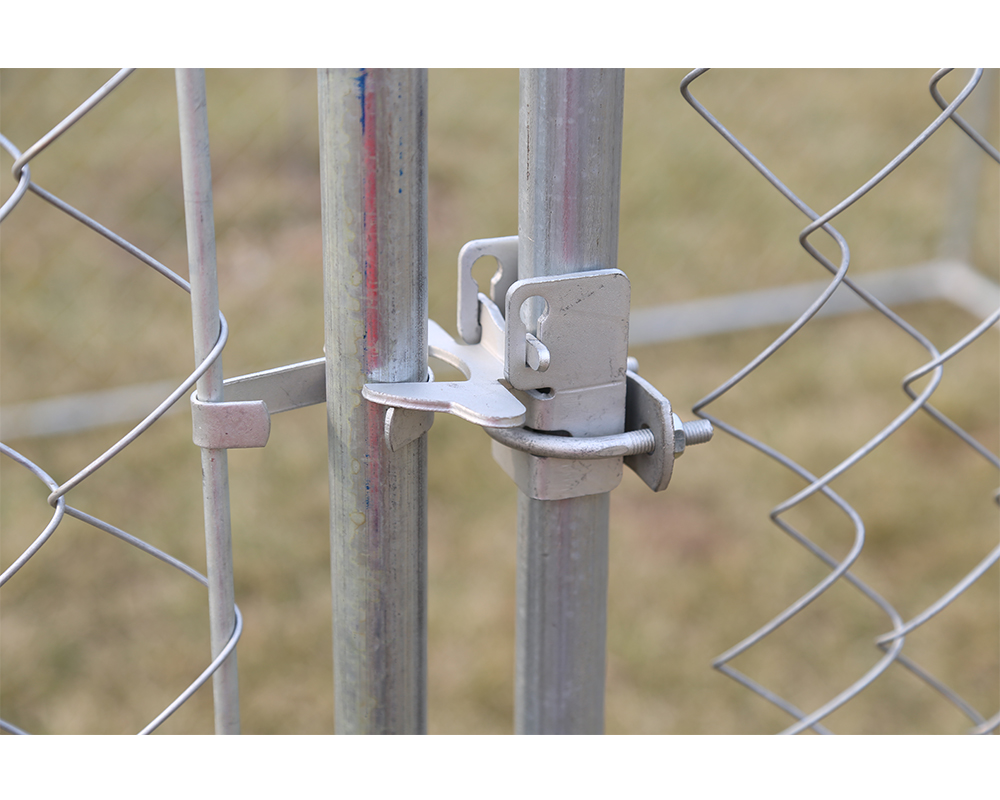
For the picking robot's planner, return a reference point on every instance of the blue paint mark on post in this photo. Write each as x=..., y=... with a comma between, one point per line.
x=361, y=80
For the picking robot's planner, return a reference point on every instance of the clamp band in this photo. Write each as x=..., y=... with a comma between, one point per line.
x=547, y=445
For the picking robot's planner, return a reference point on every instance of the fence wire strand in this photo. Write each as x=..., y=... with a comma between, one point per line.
x=918, y=386
x=57, y=498
x=892, y=642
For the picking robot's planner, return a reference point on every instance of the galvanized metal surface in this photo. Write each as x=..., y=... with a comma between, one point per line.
x=224, y=426
x=404, y=425
x=561, y=622
x=504, y=250
x=303, y=384
x=198, y=211
x=57, y=498
x=374, y=192
x=481, y=398
x=569, y=186
x=282, y=388
x=646, y=408
x=570, y=374
x=243, y=419
x=654, y=438
x=891, y=643
x=585, y=447
x=948, y=280
x=584, y=332
x=983, y=722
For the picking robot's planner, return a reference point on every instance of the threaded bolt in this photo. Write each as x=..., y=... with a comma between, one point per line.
x=697, y=431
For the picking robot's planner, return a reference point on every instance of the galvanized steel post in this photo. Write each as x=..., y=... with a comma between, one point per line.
x=197, y=175
x=373, y=162
x=569, y=190
x=967, y=172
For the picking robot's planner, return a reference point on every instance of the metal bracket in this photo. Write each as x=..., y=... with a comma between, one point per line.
x=647, y=409
x=282, y=388
x=575, y=356
x=243, y=419
x=648, y=444
x=555, y=363
x=565, y=359
x=654, y=437
x=504, y=250
x=481, y=398
x=221, y=425
x=404, y=425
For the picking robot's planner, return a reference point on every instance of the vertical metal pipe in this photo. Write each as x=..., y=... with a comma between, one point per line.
x=967, y=173
x=197, y=175
x=373, y=163
x=569, y=189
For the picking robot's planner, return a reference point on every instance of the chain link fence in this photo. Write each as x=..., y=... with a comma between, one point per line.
x=82, y=312
x=879, y=616
x=819, y=482
x=21, y=172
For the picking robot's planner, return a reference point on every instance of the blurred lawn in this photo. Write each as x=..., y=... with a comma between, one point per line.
x=97, y=638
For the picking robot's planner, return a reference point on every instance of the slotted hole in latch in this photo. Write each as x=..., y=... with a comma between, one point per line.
x=485, y=271
x=531, y=312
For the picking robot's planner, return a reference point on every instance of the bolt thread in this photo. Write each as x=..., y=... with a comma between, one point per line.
x=640, y=441
x=698, y=431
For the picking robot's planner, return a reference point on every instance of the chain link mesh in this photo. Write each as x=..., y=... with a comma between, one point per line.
x=79, y=317
x=21, y=172
x=819, y=483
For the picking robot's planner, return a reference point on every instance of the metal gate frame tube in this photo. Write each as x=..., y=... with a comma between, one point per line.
x=569, y=189
x=373, y=165
x=196, y=168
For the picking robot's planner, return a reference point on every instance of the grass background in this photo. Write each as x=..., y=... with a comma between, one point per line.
x=95, y=637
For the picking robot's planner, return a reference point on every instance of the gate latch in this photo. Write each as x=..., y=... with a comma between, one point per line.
x=549, y=380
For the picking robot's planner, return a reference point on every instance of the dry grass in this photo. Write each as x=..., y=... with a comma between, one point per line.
x=98, y=638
